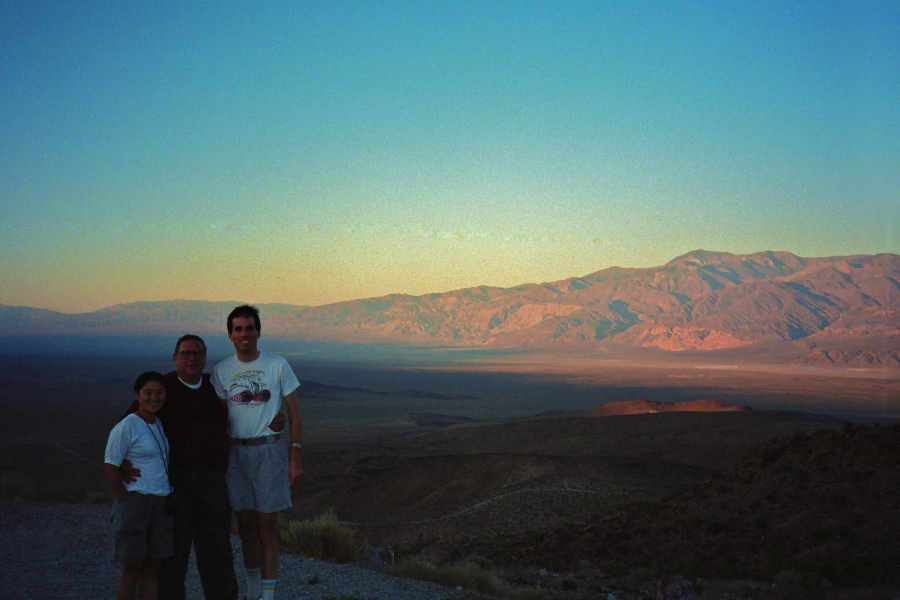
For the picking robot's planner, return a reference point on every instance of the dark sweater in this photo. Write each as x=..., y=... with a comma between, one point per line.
x=196, y=423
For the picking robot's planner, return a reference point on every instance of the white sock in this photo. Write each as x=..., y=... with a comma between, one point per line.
x=254, y=583
x=268, y=589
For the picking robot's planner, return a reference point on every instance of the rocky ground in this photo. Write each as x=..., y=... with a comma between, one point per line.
x=52, y=551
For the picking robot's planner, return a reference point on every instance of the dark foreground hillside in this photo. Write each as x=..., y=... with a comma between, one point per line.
x=470, y=485
x=579, y=505
x=820, y=510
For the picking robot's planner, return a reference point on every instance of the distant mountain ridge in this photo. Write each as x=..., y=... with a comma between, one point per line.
x=832, y=310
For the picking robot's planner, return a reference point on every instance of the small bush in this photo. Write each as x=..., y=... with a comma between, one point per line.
x=481, y=562
x=99, y=498
x=15, y=484
x=524, y=593
x=465, y=574
x=468, y=573
x=814, y=584
x=323, y=538
x=642, y=574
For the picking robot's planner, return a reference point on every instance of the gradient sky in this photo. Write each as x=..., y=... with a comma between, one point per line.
x=312, y=152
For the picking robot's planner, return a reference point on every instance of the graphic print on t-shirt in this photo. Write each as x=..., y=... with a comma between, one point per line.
x=248, y=387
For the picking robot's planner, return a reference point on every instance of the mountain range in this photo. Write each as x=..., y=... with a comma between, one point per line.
x=829, y=310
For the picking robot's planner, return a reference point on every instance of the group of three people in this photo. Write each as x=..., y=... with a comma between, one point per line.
x=194, y=447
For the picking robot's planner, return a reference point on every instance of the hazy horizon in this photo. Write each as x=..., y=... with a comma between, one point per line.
x=241, y=301
x=310, y=153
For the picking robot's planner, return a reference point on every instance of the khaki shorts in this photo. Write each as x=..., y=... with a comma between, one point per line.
x=257, y=478
x=143, y=528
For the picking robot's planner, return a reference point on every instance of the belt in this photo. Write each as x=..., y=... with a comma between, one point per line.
x=266, y=439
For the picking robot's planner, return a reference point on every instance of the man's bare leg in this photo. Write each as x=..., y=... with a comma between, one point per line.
x=259, y=543
x=268, y=542
x=251, y=549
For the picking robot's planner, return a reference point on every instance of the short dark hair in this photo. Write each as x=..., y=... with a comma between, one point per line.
x=190, y=337
x=244, y=310
x=145, y=378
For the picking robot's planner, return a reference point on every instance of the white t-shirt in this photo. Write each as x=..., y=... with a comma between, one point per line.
x=147, y=447
x=254, y=392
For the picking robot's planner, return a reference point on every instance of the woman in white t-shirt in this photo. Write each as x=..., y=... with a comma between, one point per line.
x=142, y=523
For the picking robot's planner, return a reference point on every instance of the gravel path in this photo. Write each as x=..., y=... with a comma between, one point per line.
x=64, y=551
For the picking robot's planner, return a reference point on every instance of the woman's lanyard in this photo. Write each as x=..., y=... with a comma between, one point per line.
x=163, y=453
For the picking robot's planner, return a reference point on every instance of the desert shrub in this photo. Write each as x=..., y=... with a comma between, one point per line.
x=471, y=573
x=641, y=574
x=481, y=562
x=815, y=584
x=16, y=484
x=323, y=538
x=465, y=574
x=99, y=498
x=737, y=588
x=524, y=593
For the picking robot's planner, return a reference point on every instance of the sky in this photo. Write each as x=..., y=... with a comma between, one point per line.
x=310, y=152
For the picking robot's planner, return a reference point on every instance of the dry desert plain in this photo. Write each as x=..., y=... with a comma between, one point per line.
x=856, y=394
x=484, y=450
x=55, y=412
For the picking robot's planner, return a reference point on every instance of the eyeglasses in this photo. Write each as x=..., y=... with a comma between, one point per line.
x=190, y=353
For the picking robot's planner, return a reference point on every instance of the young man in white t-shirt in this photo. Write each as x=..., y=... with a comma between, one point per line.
x=254, y=386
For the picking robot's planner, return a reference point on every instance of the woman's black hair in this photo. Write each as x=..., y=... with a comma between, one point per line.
x=140, y=382
x=144, y=378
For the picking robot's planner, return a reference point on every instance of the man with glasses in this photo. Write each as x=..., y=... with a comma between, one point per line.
x=196, y=424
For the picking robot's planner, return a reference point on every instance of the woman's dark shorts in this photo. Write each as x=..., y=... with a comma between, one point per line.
x=142, y=526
